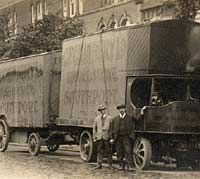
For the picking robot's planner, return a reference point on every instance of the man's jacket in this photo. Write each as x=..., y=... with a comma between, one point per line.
x=129, y=123
x=100, y=130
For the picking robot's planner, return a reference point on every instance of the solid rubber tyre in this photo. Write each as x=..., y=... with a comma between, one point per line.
x=34, y=143
x=87, y=147
x=142, y=153
x=4, y=135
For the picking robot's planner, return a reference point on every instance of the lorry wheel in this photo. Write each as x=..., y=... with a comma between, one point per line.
x=34, y=143
x=4, y=135
x=53, y=147
x=142, y=153
x=87, y=147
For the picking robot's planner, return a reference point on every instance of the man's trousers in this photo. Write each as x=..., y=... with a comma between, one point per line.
x=104, y=149
x=123, y=146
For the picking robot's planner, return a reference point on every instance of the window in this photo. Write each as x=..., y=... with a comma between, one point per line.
x=12, y=23
x=38, y=10
x=140, y=92
x=112, y=22
x=101, y=26
x=125, y=20
x=15, y=22
x=45, y=7
x=113, y=25
x=81, y=6
x=33, y=14
x=72, y=8
x=171, y=89
x=151, y=14
x=109, y=2
x=65, y=7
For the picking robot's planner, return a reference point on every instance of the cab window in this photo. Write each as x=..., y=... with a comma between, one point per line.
x=140, y=92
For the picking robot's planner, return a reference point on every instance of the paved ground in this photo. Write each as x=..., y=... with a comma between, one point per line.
x=16, y=163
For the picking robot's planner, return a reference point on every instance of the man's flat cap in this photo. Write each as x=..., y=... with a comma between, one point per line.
x=101, y=107
x=121, y=106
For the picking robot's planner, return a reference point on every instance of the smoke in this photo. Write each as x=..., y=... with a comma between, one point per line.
x=194, y=49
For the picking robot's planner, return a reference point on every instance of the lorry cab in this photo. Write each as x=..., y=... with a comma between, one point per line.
x=170, y=126
x=172, y=102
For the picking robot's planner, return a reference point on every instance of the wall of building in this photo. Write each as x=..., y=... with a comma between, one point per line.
x=96, y=14
x=54, y=6
x=105, y=15
x=23, y=14
x=90, y=5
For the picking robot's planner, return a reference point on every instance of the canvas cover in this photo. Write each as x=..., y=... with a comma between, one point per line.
x=95, y=67
x=25, y=89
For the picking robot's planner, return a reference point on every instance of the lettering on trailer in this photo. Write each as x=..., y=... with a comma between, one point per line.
x=28, y=74
x=89, y=97
x=92, y=75
x=21, y=94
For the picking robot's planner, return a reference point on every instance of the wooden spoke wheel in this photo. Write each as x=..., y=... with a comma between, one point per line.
x=142, y=153
x=53, y=147
x=4, y=135
x=34, y=143
x=87, y=147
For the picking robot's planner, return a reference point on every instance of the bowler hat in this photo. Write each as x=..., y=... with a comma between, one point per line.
x=121, y=106
x=101, y=107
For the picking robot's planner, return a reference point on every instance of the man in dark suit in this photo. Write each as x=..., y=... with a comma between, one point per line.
x=123, y=135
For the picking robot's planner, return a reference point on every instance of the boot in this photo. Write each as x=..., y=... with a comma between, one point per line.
x=99, y=166
x=130, y=168
x=122, y=166
x=111, y=167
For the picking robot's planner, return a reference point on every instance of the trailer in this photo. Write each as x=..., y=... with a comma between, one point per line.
x=124, y=65
x=29, y=96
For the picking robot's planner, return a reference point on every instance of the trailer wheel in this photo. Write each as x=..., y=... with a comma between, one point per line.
x=34, y=143
x=142, y=153
x=87, y=147
x=4, y=135
x=53, y=147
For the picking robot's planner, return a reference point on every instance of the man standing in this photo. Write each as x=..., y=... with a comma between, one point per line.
x=101, y=135
x=122, y=135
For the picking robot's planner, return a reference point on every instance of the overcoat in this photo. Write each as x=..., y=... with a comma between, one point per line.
x=129, y=123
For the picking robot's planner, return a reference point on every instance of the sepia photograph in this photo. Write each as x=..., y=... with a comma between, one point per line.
x=99, y=89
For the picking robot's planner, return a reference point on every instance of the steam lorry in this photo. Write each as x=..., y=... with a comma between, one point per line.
x=51, y=99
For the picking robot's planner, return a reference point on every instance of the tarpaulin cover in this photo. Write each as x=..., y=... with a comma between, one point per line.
x=28, y=91
x=94, y=67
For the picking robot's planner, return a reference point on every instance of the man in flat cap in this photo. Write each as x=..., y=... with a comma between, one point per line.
x=101, y=135
x=122, y=135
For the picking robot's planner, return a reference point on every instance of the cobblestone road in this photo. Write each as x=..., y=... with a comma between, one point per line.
x=16, y=163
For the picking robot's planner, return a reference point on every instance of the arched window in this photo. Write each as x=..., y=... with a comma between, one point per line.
x=112, y=23
x=125, y=20
x=101, y=25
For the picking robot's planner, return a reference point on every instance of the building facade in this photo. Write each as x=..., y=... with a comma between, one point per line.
x=95, y=14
